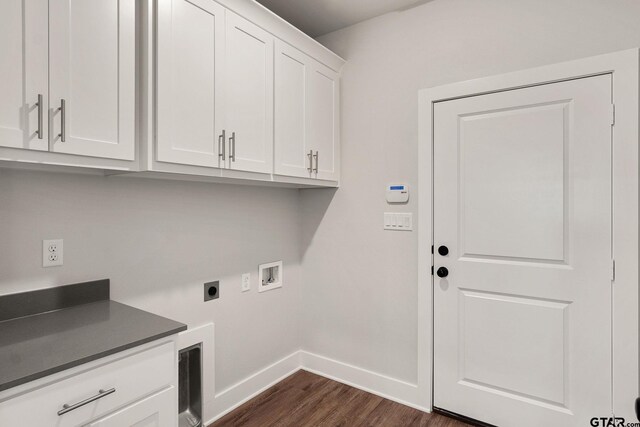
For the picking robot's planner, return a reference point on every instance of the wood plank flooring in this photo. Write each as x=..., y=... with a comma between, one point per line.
x=306, y=399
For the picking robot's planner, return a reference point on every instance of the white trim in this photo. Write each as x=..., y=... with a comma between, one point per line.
x=393, y=389
x=272, y=23
x=381, y=385
x=232, y=397
x=624, y=66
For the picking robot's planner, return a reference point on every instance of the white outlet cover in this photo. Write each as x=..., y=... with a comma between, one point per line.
x=52, y=253
x=246, y=282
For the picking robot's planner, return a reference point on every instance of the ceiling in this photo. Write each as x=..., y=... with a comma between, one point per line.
x=318, y=17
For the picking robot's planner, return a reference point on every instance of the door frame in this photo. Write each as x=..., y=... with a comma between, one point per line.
x=624, y=66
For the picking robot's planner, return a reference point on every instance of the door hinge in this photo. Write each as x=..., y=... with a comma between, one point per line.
x=613, y=114
x=613, y=270
x=432, y=270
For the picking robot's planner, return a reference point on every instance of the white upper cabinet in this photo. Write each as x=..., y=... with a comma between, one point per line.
x=23, y=70
x=306, y=116
x=249, y=95
x=189, y=82
x=92, y=77
x=292, y=152
x=240, y=94
x=322, y=121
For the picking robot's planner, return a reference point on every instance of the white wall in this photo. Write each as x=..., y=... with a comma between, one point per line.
x=360, y=282
x=158, y=242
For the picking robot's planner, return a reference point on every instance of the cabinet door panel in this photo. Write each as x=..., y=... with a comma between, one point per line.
x=92, y=68
x=190, y=58
x=322, y=121
x=291, y=151
x=23, y=67
x=249, y=100
x=157, y=410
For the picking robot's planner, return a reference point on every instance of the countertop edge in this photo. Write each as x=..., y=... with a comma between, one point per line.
x=72, y=364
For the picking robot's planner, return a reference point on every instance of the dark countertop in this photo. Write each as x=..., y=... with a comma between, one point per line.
x=38, y=345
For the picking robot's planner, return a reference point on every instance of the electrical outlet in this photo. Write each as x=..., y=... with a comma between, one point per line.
x=246, y=282
x=52, y=253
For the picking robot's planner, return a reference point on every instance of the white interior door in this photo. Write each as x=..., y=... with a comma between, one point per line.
x=522, y=201
x=291, y=147
x=190, y=65
x=157, y=410
x=322, y=121
x=92, y=77
x=249, y=95
x=24, y=62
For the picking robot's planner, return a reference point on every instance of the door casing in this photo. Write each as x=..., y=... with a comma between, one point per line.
x=624, y=67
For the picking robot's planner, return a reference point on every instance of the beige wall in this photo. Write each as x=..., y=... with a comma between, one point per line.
x=159, y=241
x=360, y=282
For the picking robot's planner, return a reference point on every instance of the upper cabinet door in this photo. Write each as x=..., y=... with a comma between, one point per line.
x=323, y=130
x=291, y=151
x=249, y=95
x=190, y=49
x=92, y=77
x=23, y=66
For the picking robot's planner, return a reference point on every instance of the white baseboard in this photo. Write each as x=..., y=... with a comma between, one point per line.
x=232, y=397
x=372, y=382
x=363, y=379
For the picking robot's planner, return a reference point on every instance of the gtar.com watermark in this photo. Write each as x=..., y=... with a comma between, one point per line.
x=612, y=422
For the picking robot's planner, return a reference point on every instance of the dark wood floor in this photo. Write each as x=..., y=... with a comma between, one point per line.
x=306, y=399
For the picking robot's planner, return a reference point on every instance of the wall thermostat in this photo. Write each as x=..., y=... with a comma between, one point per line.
x=397, y=193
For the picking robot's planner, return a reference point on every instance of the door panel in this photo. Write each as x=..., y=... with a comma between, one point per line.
x=322, y=121
x=512, y=187
x=522, y=199
x=24, y=62
x=291, y=147
x=157, y=410
x=92, y=68
x=249, y=95
x=190, y=65
x=535, y=364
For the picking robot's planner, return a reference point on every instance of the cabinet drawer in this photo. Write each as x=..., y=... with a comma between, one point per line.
x=132, y=377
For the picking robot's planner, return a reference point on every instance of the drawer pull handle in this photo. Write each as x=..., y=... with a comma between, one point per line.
x=101, y=393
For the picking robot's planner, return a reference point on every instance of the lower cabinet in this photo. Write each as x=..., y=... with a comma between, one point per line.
x=138, y=388
x=153, y=411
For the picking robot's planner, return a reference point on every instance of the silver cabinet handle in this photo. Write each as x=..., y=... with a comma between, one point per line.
x=232, y=147
x=310, y=156
x=63, y=132
x=101, y=393
x=316, y=156
x=221, y=145
x=40, y=109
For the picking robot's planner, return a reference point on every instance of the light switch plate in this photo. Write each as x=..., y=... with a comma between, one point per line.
x=399, y=221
